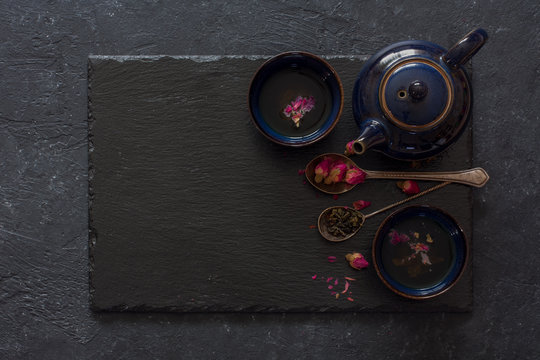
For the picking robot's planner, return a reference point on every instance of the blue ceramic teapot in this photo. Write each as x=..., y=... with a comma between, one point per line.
x=413, y=99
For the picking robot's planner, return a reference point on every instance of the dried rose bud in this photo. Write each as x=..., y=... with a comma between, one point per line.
x=349, y=148
x=337, y=173
x=355, y=176
x=409, y=187
x=322, y=169
x=360, y=204
x=357, y=261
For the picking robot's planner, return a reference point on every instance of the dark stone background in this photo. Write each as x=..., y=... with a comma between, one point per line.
x=44, y=308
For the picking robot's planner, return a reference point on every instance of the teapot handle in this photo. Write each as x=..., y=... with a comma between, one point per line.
x=462, y=52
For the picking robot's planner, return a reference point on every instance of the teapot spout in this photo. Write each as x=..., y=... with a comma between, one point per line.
x=372, y=133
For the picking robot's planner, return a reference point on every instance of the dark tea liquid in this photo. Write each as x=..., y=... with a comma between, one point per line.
x=409, y=270
x=284, y=87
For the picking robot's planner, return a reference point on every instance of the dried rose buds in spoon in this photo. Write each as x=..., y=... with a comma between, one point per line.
x=336, y=173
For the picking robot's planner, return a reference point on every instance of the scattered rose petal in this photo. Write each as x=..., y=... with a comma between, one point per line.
x=350, y=299
x=332, y=259
x=354, y=176
x=335, y=197
x=330, y=286
x=329, y=279
x=333, y=293
x=288, y=110
x=409, y=187
x=336, y=282
x=301, y=171
x=297, y=103
x=357, y=261
x=312, y=226
x=350, y=278
x=346, y=287
x=361, y=204
x=425, y=258
x=314, y=277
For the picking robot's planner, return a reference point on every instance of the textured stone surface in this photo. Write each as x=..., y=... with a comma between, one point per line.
x=44, y=298
x=182, y=180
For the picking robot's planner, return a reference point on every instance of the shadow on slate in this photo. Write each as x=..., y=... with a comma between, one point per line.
x=192, y=210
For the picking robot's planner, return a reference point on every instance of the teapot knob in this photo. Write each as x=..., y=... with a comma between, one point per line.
x=418, y=90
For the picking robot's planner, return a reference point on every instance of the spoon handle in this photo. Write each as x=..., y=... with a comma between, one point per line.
x=436, y=187
x=477, y=177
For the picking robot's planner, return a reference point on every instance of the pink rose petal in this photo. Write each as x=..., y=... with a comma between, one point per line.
x=346, y=287
x=361, y=204
x=409, y=187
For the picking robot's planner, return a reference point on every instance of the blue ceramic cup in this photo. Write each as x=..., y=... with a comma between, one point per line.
x=295, y=98
x=419, y=252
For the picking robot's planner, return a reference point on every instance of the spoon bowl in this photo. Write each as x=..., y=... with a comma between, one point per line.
x=326, y=225
x=476, y=177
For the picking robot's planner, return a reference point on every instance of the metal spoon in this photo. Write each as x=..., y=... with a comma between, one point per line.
x=474, y=177
x=325, y=227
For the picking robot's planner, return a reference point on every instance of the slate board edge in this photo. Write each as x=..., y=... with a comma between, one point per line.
x=92, y=236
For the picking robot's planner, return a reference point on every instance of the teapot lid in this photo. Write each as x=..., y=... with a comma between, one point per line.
x=416, y=94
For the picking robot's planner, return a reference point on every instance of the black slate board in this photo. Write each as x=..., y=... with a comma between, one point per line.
x=192, y=210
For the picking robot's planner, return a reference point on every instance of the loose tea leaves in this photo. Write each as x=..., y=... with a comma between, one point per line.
x=342, y=221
